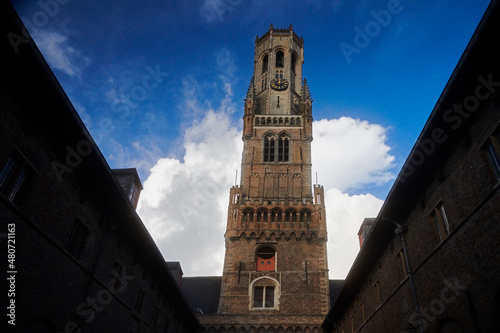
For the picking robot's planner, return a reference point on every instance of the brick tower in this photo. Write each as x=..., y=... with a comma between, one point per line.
x=275, y=275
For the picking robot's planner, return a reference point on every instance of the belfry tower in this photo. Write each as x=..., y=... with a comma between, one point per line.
x=275, y=275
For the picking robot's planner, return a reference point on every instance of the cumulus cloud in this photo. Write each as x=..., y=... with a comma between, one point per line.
x=344, y=214
x=185, y=199
x=141, y=155
x=184, y=202
x=350, y=153
x=60, y=55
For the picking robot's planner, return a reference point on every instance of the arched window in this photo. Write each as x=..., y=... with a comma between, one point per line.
x=283, y=148
x=276, y=215
x=262, y=215
x=265, y=62
x=269, y=145
x=264, y=296
x=291, y=215
x=266, y=259
x=305, y=215
x=247, y=215
x=294, y=62
x=280, y=59
x=257, y=121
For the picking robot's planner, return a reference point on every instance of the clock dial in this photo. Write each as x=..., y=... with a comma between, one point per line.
x=279, y=84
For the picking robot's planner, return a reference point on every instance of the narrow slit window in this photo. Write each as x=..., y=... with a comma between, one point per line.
x=402, y=264
x=493, y=150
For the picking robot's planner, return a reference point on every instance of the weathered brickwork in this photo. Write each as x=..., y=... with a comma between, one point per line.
x=455, y=268
x=275, y=208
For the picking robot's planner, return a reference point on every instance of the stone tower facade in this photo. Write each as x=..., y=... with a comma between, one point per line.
x=275, y=275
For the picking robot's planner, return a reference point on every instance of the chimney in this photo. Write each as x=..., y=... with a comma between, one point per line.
x=130, y=183
x=176, y=270
x=365, y=229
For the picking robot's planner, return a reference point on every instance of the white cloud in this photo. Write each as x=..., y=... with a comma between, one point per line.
x=184, y=203
x=349, y=153
x=344, y=214
x=141, y=155
x=59, y=54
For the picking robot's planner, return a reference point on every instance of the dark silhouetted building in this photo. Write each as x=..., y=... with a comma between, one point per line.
x=431, y=262
x=75, y=255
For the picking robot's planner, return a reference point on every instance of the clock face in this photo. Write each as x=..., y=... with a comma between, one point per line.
x=279, y=84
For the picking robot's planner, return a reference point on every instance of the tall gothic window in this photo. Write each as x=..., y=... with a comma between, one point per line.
x=269, y=150
x=294, y=62
x=265, y=61
x=283, y=148
x=280, y=59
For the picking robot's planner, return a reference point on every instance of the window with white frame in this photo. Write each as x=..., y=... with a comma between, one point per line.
x=264, y=294
x=441, y=222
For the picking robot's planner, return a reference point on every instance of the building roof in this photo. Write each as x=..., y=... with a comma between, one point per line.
x=335, y=286
x=369, y=221
x=479, y=58
x=202, y=292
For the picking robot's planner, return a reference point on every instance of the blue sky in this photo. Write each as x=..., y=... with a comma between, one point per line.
x=160, y=85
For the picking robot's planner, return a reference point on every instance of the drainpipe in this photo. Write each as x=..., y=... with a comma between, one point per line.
x=399, y=231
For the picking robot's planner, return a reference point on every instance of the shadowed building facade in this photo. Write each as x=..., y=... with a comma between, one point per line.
x=430, y=260
x=81, y=258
